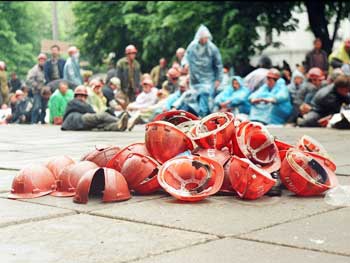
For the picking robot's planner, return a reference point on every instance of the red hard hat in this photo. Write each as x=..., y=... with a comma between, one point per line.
x=69, y=177
x=164, y=140
x=42, y=56
x=57, y=164
x=147, y=81
x=31, y=182
x=214, y=131
x=273, y=73
x=315, y=73
x=306, y=175
x=173, y=73
x=117, y=161
x=175, y=116
x=309, y=144
x=248, y=180
x=140, y=172
x=130, y=49
x=80, y=90
x=101, y=155
x=191, y=178
x=104, y=181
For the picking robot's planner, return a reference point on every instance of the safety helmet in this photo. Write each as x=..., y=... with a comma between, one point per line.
x=187, y=126
x=164, y=140
x=101, y=155
x=2, y=65
x=117, y=161
x=72, y=49
x=191, y=178
x=32, y=181
x=108, y=182
x=248, y=180
x=19, y=93
x=273, y=73
x=42, y=56
x=309, y=144
x=305, y=174
x=115, y=81
x=315, y=73
x=173, y=73
x=80, y=90
x=140, y=172
x=175, y=116
x=214, y=131
x=57, y=164
x=95, y=82
x=130, y=49
x=147, y=81
x=69, y=177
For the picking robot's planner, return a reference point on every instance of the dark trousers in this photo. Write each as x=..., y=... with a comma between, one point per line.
x=39, y=109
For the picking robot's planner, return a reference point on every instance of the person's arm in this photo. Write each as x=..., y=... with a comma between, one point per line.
x=336, y=62
x=239, y=97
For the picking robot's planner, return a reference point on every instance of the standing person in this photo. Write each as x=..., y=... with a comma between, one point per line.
x=158, y=73
x=129, y=73
x=317, y=58
x=4, y=89
x=206, y=69
x=58, y=102
x=15, y=83
x=36, y=82
x=54, y=67
x=71, y=70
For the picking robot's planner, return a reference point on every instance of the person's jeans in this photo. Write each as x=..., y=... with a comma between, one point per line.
x=39, y=109
x=203, y=100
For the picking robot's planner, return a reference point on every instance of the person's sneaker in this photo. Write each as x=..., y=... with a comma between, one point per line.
x=135, y=118
x=276, y=190
x=122, y=123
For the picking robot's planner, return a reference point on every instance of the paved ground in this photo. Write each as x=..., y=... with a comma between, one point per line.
x=158, y=228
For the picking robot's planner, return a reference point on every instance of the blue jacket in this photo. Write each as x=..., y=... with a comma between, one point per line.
x=238, y=98
x=71, y=71
x=271, y=113
x=48, y=69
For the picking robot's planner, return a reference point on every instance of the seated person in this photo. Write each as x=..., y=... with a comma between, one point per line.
x=233, y=98
x=96, y=98
x=297, y=91
x=157, y=108
x=23, y=108
x=270, y=104
x=80, y=115
x=58, y=102
x=327, y=101
x=171, y=84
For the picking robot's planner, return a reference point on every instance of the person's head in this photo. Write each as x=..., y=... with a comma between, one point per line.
x=180, y=52
x=342, y=85
x=55, y=51
x=183, y=85
x=96, y=85
x=272, y=76
x=147, y=85
x=162, y=63
x=298, y=80
x=73, y=51
x=315, y=76
x=173, y=75
x=318, y=43
x=42, y=59
x=114, y=83
x=130, y=52
x=13, y=75
x=203, y=35
x=19, y=95
x=235, y=84
x=63, y=87
x=80, y=93
x=25, y=89
x=335, y=73
x=46, y=92
x=347, y=45
x=2, y=66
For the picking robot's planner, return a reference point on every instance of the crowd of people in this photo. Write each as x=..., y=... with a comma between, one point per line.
x=195, y=81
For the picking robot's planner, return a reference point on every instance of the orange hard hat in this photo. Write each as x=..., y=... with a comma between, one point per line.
x=309, y=144
x=101, y=155
x=315, y=73
x=57, y=164
x=80, y=90
x=175, y=116
x=173, y=73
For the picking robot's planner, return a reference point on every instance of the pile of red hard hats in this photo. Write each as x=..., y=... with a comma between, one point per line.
x=188, y=157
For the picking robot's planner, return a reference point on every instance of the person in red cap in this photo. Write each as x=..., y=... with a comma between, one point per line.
x=129, y=73
x=172, y=83
x=36, y=81
x=340, y=56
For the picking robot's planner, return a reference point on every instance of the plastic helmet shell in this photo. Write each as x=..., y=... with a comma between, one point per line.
x=107, y=181
x=191, y=178
x=309, y=144
x=57, y=164
x=305, y=174
x=176, y=117
x=70, y=176
x=117, y=161
x=315, y=73
x=164, y=140
x=173, y=73
x=221, y=156
x=101, y=155
x=214, y=131
x=140, y=172
x=248, y=180
x=32, y=181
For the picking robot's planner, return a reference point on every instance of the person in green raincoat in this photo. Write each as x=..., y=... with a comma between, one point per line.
x=58, y=102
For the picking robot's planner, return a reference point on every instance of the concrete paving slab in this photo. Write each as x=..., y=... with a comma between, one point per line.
x=85, y=238
x=343, y=170
x=222, y=215
x=328, y=232
x=242, y=251
x=15, y=212
x=6, y=177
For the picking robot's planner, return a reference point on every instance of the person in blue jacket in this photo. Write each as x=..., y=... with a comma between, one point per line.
x=234, y=97
x=271, y=104
x=206, y=69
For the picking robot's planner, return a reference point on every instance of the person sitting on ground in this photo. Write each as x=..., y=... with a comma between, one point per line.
x=96, y=98
x=110, y=89
x=58, y=102
x=271, y=102
x=171, y=85
x=327, y=101
x=297, y=91
x=233, y=98
x=15, y=83
x=23, y=109
x=79, y=115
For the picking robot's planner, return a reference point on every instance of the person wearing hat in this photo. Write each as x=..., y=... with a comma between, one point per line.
x=129, y=73
x=79, y=115
x=71, y=70
x=96, y=98
x=36, y=81
x=339, y=56
x=172, y=83
x=23, y=108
